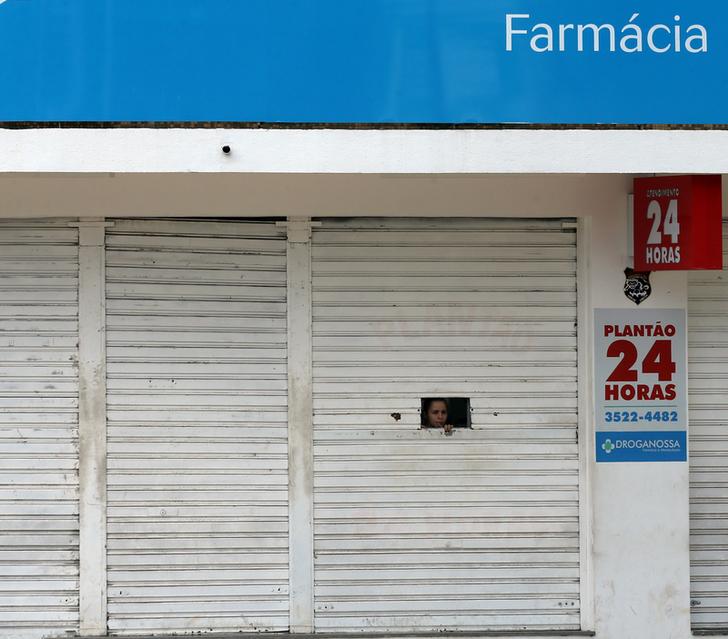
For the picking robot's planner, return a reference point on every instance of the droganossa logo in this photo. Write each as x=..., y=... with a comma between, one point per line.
x=608, y=446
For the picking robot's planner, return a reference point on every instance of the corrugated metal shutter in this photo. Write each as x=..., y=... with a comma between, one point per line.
x=39, y=427
x=415, y=530
x=708, y=380
x=197, y=432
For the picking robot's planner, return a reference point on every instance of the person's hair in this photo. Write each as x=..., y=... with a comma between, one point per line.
x=426, y=407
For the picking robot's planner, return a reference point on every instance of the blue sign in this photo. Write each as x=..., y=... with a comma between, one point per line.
x=642, y=446
x=365, y=61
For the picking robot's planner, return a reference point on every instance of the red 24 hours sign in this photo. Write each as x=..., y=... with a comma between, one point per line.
x=677, y=223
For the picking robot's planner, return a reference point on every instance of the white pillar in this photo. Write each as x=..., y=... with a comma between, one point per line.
x=300, y=425
x=92, y=426
x=641, y=535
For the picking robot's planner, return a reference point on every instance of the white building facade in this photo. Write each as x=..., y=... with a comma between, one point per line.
x=213, y=376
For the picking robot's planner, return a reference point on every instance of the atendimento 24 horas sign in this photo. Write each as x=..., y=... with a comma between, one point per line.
x=373, y=61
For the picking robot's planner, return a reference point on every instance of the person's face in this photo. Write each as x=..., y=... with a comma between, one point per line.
x=437, y=414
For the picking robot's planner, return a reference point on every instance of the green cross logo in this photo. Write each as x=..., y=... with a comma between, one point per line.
x=608, y=446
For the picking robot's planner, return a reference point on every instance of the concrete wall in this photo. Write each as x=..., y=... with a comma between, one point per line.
x=640, y=545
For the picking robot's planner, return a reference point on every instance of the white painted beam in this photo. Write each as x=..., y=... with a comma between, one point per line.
x=362, y=151
x=92, y=427
x=300, y=426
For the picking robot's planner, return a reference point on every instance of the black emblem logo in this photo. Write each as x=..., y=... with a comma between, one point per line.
x=637, y=286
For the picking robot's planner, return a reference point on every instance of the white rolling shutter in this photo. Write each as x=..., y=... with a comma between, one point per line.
x=197, y=432
x=415, y=530
x=708, y=381
x=39, y=428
